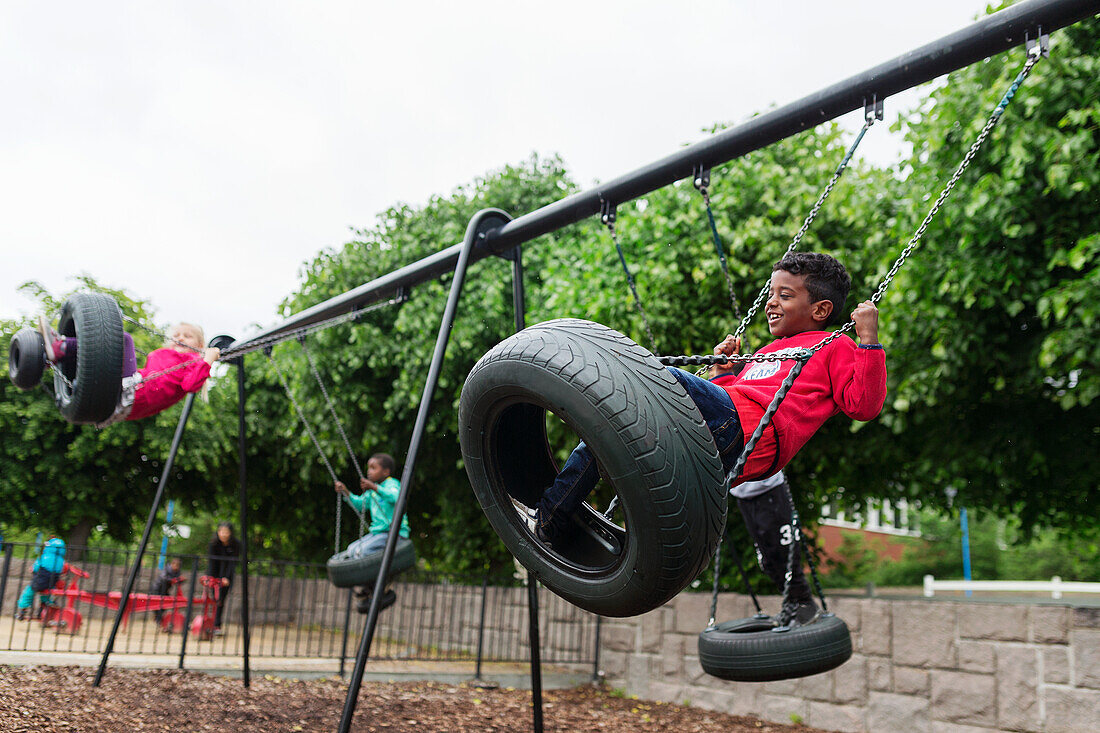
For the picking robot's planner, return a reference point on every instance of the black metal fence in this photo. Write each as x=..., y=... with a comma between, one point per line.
x=294, y=612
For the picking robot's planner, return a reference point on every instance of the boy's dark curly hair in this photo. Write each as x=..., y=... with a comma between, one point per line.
x=825, y=278
x=387, y=462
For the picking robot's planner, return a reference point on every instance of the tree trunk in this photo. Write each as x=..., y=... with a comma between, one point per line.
x=78, y=538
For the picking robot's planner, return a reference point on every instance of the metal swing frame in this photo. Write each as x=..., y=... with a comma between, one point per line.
x=493, y=233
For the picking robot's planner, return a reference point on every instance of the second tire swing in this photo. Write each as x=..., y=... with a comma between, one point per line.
x=651, y=443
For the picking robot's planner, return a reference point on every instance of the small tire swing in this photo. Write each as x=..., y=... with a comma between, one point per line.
x=87, y=388
x=346, y=570
x=26, y=359
x=654, y=450
x=755, y=650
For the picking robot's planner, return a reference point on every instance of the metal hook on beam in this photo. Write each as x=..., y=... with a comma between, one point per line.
x=872, y=110
x=1038, y=46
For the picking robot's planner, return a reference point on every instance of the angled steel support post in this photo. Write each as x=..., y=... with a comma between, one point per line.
x=124, y=600
x=483, y=222
x=243, y=494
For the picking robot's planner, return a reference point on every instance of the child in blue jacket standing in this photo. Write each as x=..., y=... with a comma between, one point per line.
x=44, y=576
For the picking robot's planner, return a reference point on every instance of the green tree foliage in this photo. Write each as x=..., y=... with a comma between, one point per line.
x=992, y=328
x=66, y=480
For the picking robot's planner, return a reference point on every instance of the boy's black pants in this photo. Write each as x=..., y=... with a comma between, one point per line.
x=768, y=519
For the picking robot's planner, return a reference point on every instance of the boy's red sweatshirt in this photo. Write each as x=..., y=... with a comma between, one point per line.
x=839, y=378
x=160, y=393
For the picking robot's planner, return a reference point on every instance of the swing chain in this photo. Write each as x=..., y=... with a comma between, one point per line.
x=331, y=407
x=159, y=334
x=869, y=119
x=316, y=444
x=701, y=180
x=607, y=217
x=264, y=343
x=1034, y=54
x=797, y=540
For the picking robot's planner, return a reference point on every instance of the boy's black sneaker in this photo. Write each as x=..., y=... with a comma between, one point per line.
x=797, y=613
x=363, y=606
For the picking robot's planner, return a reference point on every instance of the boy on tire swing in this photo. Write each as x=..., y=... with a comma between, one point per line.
x=379, y=497
x=806, y=295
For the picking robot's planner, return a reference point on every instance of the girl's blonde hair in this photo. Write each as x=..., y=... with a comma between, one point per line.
x=204, y=393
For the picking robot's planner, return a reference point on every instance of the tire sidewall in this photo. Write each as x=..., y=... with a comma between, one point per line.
x=776, y=654
x=345, y=572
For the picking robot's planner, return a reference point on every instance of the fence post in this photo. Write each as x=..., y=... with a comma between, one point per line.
x=347, y=626
x=9, y=548
x=481, y=629
x=929, y=590
x=596, y=656
x=1056, y=587
x=190, y=608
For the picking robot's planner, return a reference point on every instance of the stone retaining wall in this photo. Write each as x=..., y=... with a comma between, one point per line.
x=918, y=666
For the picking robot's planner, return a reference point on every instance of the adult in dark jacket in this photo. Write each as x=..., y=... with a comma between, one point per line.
x=223, y=553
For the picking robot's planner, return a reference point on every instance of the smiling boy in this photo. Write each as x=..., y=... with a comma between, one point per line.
x=806, y=295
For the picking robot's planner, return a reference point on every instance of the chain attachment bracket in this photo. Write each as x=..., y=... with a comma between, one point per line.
x=607, y=212
x=1039, y=45
x=872, y=110
x=700, y=177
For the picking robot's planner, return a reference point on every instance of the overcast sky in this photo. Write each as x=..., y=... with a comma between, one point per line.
x=196, y=154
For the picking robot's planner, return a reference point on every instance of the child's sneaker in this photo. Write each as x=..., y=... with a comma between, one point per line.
x=388, y=599
x=51, y=339
x=531, y=519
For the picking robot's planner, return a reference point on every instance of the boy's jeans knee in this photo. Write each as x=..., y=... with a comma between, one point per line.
x=367, y=544
x=580, y=474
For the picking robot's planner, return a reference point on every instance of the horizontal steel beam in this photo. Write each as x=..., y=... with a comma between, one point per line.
x=986, y=37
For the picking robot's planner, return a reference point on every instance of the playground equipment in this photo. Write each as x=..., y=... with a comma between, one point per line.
x=495, y=233
x=66, y=618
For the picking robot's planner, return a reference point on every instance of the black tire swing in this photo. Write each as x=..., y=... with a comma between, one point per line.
x=26, y=359
x=758, y=648
x=653, y=448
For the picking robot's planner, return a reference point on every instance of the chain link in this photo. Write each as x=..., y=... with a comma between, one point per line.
x=609, y=222
x=159, y=334
x=701, y=184
x=259, y=344
x=343, y=434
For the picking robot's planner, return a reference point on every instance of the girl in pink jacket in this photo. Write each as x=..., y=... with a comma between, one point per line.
x=169, y=374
